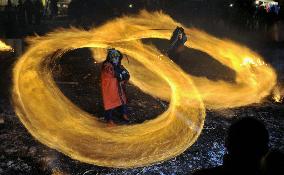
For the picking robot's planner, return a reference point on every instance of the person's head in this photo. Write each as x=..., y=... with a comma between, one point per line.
x=180, y=32
x=273, y=163
x=247, y=139
x=114, y=56
x=179, y=35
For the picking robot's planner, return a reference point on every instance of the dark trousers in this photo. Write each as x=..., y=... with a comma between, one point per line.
x=109, y=113
x=174, y=55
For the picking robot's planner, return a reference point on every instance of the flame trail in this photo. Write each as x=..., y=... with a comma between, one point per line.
x=4, y=47
x=55, y=121
x=277, y=94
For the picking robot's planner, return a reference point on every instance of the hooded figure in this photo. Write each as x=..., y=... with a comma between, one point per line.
x=113, y=80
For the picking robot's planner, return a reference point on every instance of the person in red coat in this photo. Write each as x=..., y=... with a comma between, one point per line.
x=113, y=80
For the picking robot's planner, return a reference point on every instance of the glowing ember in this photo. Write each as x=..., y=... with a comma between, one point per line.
x=4, y=47
x=57, y=172
x=55, y=121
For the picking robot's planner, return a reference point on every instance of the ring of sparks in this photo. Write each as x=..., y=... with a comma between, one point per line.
x=56, y=122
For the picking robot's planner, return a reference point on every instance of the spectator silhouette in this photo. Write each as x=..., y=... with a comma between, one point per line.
x=9, y=20
x=9, y=6
x=53, y=8
x=38, y=11
x=247, y=143
x=21, y=13
x=29, y=7
x=273, y=163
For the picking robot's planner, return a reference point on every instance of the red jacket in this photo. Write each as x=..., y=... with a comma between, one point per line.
x=112, y=90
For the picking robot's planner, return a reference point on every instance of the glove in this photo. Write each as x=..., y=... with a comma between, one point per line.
x=122, y=74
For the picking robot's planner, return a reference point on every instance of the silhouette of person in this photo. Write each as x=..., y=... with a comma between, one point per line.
x=273, y=163
x=21, y=13
x=53, y=8
x=38, y=11
x=247, y=143
x=29, y=7
x=177, y=42
x=9, y=19
x=9, y=6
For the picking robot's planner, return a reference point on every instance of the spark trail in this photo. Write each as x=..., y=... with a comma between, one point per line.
x=56, y=122
x=5, y=47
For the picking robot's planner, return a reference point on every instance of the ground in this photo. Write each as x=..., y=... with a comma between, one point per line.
x=22, y=154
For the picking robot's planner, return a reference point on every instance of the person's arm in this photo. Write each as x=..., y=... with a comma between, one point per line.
x=125, y=74
x=116, y=73
x=173, y=43
x=121, y=73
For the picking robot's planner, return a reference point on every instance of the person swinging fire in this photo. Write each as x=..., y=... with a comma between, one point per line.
x=114, y=77
x=177, y=42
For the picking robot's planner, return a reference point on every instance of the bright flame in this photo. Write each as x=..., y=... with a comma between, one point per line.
x=248, y=61
x=252, y=62
x=5, y=47
x=277, y=94
x=57, y=172
x=55, y=121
